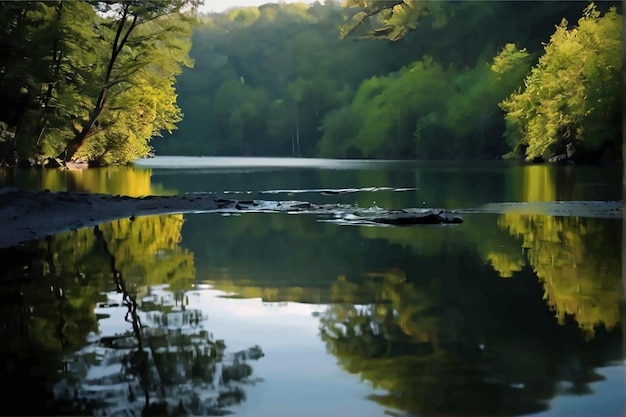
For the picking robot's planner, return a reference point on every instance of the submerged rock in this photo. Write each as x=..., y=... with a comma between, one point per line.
x=408, y=219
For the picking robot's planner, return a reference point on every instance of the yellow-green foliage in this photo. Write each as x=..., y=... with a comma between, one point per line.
x=392, y=20
x=147, y=251
x=573, y=93
x=142, y=100
x=95, y=59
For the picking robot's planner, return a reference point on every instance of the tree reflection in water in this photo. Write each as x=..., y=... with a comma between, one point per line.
x=181, y=370
x=467, y=344
x=575, y=259
x=64, y=345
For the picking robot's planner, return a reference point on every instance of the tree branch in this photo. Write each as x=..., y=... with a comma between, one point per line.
x=139, y=40
x=367, y=13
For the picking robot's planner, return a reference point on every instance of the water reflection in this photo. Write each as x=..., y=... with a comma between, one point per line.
x=433, y=328
x=86, y=332
x=122, y=180
x=465, y=345
x=172, y=366
x=424, y=314
x=576, y=260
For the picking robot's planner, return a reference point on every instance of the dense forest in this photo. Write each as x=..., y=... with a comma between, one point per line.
x=427, y=80
x=97, y=81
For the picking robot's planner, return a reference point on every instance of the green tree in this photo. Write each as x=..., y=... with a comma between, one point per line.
x=241, y=112
x=147, y=47
x=472, y=114
x=296, y=70
x=69, y=79
x=310, y=78
x=574, y=93
x=31, y=57
x=93, y=80
x=386, y=110
x=390, y=19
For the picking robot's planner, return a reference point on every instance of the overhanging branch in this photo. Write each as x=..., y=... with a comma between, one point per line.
x=368, y=13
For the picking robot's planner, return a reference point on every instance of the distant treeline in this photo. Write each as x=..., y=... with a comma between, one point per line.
x=424, y=79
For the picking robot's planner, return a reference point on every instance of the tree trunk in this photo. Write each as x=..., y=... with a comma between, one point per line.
x=74, y=145
x=298, y=130
x=121, y=38
x=55, y=71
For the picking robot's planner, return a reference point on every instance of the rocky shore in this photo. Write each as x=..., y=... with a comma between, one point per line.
x=29, y=215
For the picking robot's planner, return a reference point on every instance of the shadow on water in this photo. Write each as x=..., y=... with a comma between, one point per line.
x=65, y=344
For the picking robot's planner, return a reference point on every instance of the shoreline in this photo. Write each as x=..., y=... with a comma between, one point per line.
x=32, y=215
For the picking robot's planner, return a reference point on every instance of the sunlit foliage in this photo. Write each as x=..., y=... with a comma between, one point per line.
x=432, y=93
x=391, y=19
x=422, y=111
x=100, y=74
x=242, y=99
x=574, y=93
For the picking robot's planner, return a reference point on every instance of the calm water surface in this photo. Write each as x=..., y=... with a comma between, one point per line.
x=283, y=315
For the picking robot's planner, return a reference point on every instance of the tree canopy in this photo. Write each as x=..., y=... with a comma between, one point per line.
x=573, y=94
x=92, y=80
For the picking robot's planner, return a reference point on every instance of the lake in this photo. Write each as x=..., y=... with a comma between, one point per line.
x=515, y=311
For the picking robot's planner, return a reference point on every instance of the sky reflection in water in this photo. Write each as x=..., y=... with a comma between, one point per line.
x=300, y=378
